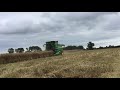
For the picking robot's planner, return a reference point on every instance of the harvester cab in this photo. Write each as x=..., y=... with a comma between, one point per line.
x=55, y=47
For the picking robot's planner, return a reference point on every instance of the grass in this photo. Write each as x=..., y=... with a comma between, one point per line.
x=104, y=63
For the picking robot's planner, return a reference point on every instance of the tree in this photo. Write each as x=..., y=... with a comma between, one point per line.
x=19, y=50
x=80, y=47
x=101, y=47
x=27, y=49
x=73, y=47
x=35, y=48
x=90, y=46
x=111, y=46
x=11, y=50
x=69, y=48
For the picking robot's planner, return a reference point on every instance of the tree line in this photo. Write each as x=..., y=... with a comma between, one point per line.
x=21, y=50
x=80, y=47
x=90, y=46
x=110, y=46
x=70, y=47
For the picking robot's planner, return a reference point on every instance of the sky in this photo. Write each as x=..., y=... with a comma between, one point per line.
x=24, y=29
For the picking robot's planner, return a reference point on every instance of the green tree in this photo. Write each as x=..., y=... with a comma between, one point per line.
x=19, y=50
x=35, y=48
x=80, y=47
x=74, y=47
x=90, y=46
x=11, y=50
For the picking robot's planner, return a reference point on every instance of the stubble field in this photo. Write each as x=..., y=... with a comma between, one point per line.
x=104, y=63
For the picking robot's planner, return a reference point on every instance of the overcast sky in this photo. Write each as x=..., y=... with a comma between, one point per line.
x=24, y=29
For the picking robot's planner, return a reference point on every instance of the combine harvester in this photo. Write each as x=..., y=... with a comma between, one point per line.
x=55, y=47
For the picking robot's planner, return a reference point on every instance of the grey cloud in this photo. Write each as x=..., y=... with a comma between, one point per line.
x=58, y=22
x=26, y=29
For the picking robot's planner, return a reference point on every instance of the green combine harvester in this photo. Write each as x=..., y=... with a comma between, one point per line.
x=55, y=47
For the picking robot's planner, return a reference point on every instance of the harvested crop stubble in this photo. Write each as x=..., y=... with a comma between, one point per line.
x=10, y=58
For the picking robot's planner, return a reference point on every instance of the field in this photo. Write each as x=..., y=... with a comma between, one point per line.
x=104, y=63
